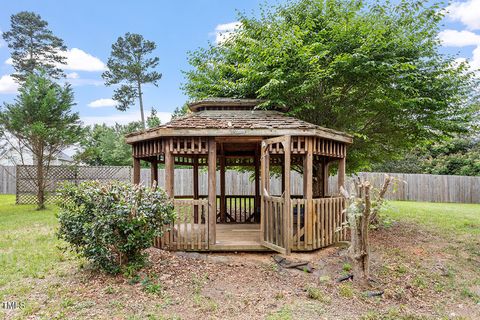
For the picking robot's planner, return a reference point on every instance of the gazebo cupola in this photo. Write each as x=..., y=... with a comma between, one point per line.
x=233, y=133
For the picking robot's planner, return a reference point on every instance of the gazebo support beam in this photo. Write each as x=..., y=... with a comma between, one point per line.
x=326, y=175
x=169, y=171
x=308, y=190
x=212, y=190
x=154, y=173
x=257, y=184
x=223, y=207
x=195, y=188
x=341, y=173
x=136, y=170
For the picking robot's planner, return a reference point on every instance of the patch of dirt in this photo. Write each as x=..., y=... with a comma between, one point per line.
x=422, y=276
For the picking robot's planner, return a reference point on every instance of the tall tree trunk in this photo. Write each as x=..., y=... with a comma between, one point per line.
x=40, y=182
x=140, y=100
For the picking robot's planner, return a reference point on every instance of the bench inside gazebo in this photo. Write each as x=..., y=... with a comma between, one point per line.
x=232, y=133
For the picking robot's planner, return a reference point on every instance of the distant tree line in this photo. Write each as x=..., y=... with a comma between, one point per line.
x=456, y=156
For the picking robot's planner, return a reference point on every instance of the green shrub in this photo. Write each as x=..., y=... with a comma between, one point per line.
x=111, y=224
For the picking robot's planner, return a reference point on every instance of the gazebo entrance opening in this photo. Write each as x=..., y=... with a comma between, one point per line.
x=238, y=215
x=231, y=134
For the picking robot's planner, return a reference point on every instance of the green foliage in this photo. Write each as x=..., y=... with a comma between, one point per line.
x=105, y=145
x=317, y=294
x=347, y=267
x=151, y=285
x=180, y=111
x=371, y=69
x=130, y=66
x=457, y=156
x=34, y=46
x=153, y=120
x=111, y=224
x=41, y=119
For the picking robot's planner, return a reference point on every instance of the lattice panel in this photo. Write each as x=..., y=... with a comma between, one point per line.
x=26, y=190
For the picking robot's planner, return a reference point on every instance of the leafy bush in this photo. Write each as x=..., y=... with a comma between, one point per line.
x=111, y=224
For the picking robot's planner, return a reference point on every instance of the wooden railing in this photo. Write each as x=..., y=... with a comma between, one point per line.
x=274, y=220
x=238, y=209
x=328, y=223
x=189, y=230
x=298, y=223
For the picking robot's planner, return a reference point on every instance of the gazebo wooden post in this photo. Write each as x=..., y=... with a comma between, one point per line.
x=318, y=177
x=212, y=190
x=282, y=169
x=288, y=222
x=341, y=173
x=308, y=191
x=325, y=177
x=223, y=203
x=257, y=185
x=195, y=188
x=169, y=171
x=154, y=173
x=136, y=170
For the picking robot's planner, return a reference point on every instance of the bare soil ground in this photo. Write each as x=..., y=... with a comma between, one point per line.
x=422, y=276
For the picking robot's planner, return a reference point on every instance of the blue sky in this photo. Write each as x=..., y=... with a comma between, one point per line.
x=90, y=27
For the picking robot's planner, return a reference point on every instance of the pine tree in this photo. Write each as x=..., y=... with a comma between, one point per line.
x=42, y=121
x=34, y=46
x=130, y=66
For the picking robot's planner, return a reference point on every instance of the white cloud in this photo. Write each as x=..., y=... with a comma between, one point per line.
x=100, y=103
x=73, y=75
x=79, y=60
x=122, y=118
x=224, y=31
x=454, y=38
x=467, y=12
x=8, y=85
x=475, y=61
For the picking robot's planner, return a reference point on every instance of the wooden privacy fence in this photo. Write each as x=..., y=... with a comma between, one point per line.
x=412, y=187
x=417, y=187
x=7, y=179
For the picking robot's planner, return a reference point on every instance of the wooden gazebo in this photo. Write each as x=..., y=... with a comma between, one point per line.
x=222, y=133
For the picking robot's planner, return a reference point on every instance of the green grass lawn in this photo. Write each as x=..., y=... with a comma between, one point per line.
x=456, y=219
x=28, y=247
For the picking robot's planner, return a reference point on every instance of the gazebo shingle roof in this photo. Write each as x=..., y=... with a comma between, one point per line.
x=235, y=117
x=238, y=119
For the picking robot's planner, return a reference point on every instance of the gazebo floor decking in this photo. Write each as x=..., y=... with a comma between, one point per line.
x=238, y=236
